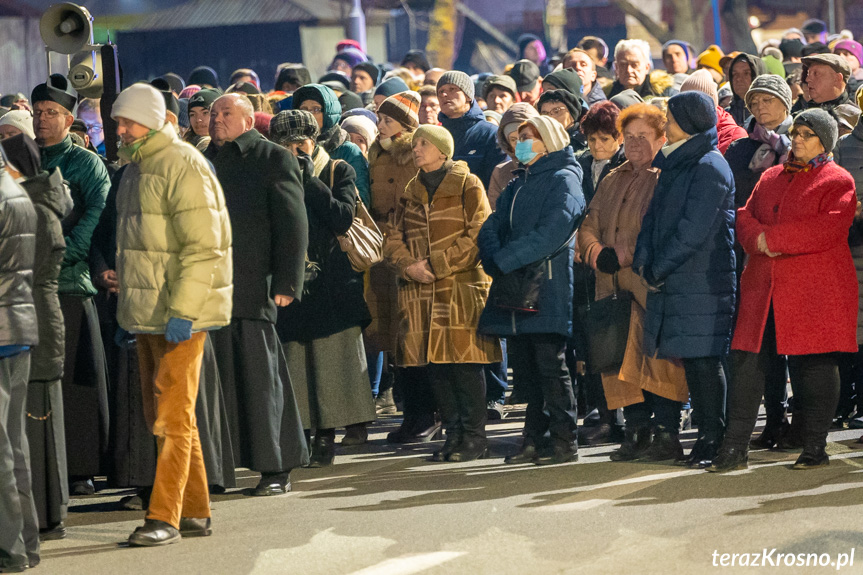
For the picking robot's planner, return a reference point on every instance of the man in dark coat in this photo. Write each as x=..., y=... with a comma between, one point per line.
x=743, y=71
x=685, y=255
x=45, y=426
x=19, y=529
x=85, y=387
x=827, y=76
x=264, y=195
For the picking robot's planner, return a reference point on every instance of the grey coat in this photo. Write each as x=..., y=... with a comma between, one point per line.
x=849, y=155
x=17, y=255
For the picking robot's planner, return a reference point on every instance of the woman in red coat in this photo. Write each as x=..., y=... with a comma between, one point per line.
x=798, y=294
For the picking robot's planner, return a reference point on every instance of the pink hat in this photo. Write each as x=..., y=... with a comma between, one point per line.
x=851, y=47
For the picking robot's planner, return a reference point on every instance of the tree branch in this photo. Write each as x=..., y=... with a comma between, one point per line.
x=654, y=28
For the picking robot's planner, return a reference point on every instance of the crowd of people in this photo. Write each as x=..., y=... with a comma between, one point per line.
x=651, y=250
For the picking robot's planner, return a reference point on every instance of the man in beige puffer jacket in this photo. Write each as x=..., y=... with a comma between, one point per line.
x=175, y=273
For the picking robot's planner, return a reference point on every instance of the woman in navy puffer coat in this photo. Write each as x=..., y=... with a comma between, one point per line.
x=535, y=215
x=685, y=254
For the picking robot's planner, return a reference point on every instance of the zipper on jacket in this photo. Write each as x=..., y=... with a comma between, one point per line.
x=512, y=313
x=549, y=269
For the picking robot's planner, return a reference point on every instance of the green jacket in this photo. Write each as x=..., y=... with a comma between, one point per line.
x=89, y=184
x=174, y=255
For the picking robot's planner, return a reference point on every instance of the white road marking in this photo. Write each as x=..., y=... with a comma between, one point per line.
x=409, y=564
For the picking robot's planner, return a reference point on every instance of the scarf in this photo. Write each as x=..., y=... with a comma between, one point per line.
x=793, y=166
x=596, y=170
x=433, y=180
x=775, y=146
x=320, y=159
x=668, y=149
x=331, y=140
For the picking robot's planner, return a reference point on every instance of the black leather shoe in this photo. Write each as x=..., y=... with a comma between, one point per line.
x=453, y=440
x=154, y=533
x=595, y=434
x=770, y=436
x=666, y=446
x=469, y=450
x=527, y=454
x=635, y=444
x=273, y=484
x=81, y=488
x=703, y=456
x=323, y=451
x=416, y=432
x=357, y=434
x=195, y=527
x=53, y=533
x=17, y=568
x=558, y=455
x=729, y=459
x=812, y=458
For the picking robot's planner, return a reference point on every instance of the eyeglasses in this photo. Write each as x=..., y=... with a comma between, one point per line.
x=94, y=127
x=558, y=111
x=315, y=110
x=49, y=113
x=802, y=135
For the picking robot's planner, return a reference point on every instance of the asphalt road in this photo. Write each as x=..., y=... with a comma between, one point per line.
x=382, y=510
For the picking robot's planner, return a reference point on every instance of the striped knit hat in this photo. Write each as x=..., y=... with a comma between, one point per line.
x=403, y=108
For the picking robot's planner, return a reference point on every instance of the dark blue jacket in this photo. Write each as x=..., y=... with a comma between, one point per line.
x=475, y=142
x=686, y=248
x=535, y=214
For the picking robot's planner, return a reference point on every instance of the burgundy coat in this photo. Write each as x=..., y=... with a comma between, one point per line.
x=813, y=285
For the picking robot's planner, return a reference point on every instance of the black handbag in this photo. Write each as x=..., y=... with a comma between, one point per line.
x=518, y=290
x=606, y=322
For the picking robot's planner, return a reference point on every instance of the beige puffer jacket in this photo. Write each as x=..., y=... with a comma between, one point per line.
x=173, y=239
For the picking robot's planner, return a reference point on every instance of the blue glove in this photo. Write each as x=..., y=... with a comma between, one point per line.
x=123, y=338
x=178, y=330
x=12, y=350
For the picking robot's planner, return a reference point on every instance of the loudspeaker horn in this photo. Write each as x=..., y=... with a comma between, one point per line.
x=66, y=28
x=85, y=74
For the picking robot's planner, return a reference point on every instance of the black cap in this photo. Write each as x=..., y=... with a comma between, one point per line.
x=78, y=126
x=525, y=73
x=203, y=99
x=334, y=79
x=417, y=58
x=9, y=99
x=814, y=26
x=56, y=89
x=791, y=48
x=815, y=48
x=293, y=74
x=244, y=87
x=176, y=83
x=164, y=88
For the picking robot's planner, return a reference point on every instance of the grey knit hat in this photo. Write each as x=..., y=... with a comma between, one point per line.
x=459, y=79
x=822, y=123
x=771, y=84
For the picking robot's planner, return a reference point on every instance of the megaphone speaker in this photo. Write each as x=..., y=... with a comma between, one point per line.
x=66, y=28
x=84, y=77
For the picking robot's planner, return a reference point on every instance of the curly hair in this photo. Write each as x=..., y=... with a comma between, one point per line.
x=654, y=117
x=601, y=117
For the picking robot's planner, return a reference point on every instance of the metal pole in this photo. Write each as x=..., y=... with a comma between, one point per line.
x=831, y=15
x=357, y=24
x=717, y=24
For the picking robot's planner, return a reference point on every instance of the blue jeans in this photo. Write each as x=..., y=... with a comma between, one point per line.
x=376, y=369
x=495, y=379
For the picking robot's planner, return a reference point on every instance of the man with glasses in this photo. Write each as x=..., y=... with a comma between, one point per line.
x=89, y=113
x=85, y=395
x=632, y=65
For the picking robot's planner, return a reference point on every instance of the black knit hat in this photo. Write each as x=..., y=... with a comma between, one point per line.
x=204, y=99
x=56, y=89
x=418, y=59
x=164, y=88
x=243, y=87
x=791, y=48
x=289, y=126
x=335, y=80
x=174, y=81
x=526, y=74
x=564, y=79
x=9, y=99
x=203, y=75
x=565, y=97
x=293, y=74
x=371, y=69
x=350, y=101
x=694, y=112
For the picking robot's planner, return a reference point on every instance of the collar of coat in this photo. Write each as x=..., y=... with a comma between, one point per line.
x=244, y=142
x=401, y=150
x=58, y=149
x=554, y=161
x=689, y=153
x=452, y=185
x=162, y=138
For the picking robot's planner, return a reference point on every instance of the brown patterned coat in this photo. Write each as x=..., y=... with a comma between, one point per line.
x=390, y=172
x=438, y=321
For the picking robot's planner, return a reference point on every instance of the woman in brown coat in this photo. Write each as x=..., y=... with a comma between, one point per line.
x=443, y=289
x=643, y=386
x=391, y=167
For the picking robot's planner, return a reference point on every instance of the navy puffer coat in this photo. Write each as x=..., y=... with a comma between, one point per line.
x=686, y=248
x=541, y=205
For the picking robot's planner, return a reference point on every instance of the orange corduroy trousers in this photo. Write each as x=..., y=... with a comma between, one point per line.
x=170, y=375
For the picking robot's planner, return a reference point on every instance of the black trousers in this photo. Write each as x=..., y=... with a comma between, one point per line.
x=539, y=365
x=419, y=399
x=459, y=391
x=705, y=377
x=816, y=391
x=666, y=412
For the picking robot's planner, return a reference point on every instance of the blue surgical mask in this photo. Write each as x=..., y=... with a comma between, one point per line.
x=524, y=151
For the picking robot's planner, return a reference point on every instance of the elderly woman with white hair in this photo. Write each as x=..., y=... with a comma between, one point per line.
x=632, y=71
x=536, y=215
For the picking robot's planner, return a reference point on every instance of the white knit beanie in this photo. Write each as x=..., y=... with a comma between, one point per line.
x=362, y=126
x=701, y=81
x=551, y=131
x=141, y=103
x=21, y=119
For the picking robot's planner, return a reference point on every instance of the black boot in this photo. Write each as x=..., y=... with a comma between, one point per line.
x=453, y=440
x=324, y=449
x=702, y=454
x=812, y=458
x=636, y=442
x=561, y=452
x=771, y=435
x=729, y=459
x=356, y=434
x=527, y=454
x=273, y=484
x=470, y=449
x=665, y=446
x=196, y=527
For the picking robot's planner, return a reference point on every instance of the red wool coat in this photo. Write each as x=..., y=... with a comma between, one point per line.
x=727, y=130
x=813, y=285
